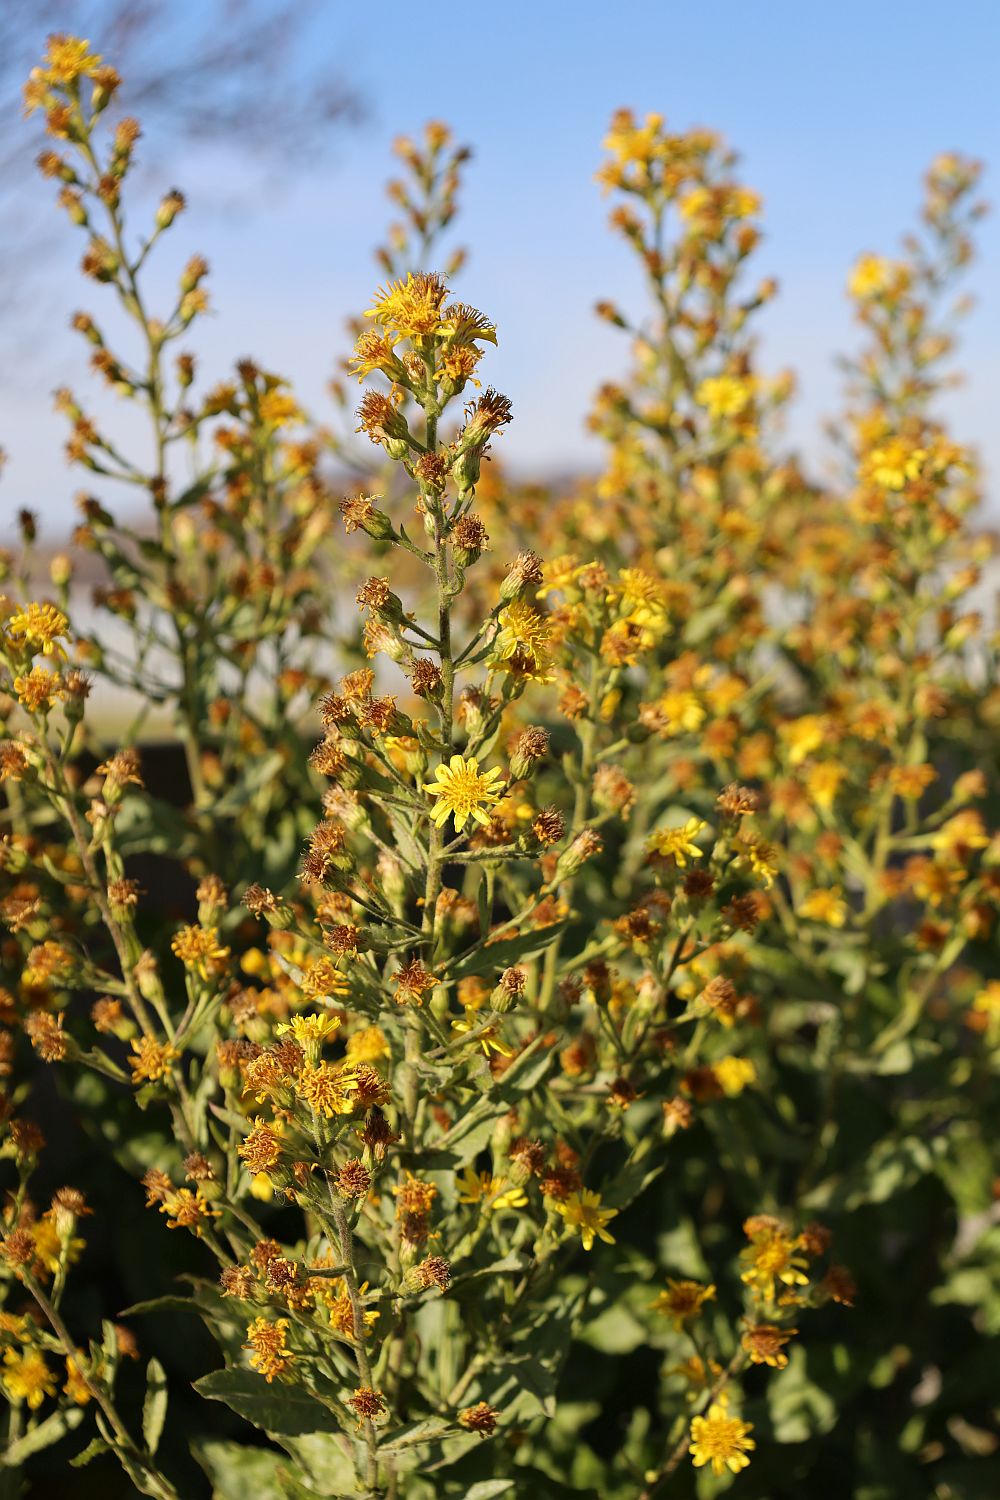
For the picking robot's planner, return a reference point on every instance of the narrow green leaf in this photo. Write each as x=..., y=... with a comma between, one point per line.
x=501, y=955
x=93, y=1450
x=274, y=1408
x=44, y=1435
x=154, y=1407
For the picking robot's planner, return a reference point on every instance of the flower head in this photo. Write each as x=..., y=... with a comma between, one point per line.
x=521, y=645
x=268, y=1352
x=582, y=1210
x=26, y=1377
x=772, y=1257
x=461, y=790
x=765, y=1344
x=683, y=1300
x=199, y=949
x=39, y=627
x=152, y=1059
x=492, y=1193
x=677, y=844
x=721, y=1440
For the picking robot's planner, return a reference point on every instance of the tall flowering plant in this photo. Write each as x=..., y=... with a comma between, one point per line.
x=571, y=995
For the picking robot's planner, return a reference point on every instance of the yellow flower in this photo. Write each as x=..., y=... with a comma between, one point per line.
x=677, y=844
x=559, y=574
x=724, y=395
x=682, y=1301
x=461, y=790
x=734, y=1074
x=322, y=980
x=48, y=963
x=769, y=1258
x=521, y=645
x=630, y=142
x=765, y=1344
x=803, y=736
x=188, y=1210
x=487, y=1039
x=910, y=782
x=39, y=626
x=870, y=277
x=337, y=1298
x=682, y=710
x=987, y=1001
x=151, y=1061
x=893, y=464
x=306, y=1029
x=583, y=1211
x=26, y=1377
x=325, y=1089
x=367, y=1045
x=824, y=781
x=697, y=1374
x=489, y=1191
x=641, y=597
x=67, y=59
x=53, y=1249
x=826, y=906
x=38, y=689
x=760, y=856
x=962, y=832
x=269, y=1353
x=721, y=1440
x=198, y=948
x=410, y=308
x=279, y=408
x=76, y=1387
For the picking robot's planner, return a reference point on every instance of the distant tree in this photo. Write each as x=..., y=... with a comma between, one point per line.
x=244, y=74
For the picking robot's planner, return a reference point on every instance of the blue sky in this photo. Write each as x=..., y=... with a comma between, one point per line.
x=836, y=109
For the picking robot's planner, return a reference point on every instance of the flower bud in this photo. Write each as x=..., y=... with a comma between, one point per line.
x=390, y=873
x=469, y=538
x=585, y=846
x=524, y=572
x=61, y=570
x=170, y=206
x=465, y=471
x=529, y=748
x=360, y=513
x=509, y=991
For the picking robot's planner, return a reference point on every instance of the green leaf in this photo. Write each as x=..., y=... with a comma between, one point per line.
x=44, y=1435
x=264, y=771
x=615, y=1330
x=799, y=1408
x=93, y=1450
x=274, y=1408
x=893, y=1166
x=154, y=1407
x=324, y=1460
x=488, y=1489
x=427, y=1430
x=501, y=955
x=237, y=1472
x=167, y=1303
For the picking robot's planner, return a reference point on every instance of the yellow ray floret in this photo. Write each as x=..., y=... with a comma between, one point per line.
x=461, y=790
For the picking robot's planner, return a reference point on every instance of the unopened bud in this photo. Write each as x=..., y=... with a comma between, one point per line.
x=509, y=991
x=170, y=207
x=524, y=572
x=529, y=748
x=584, y=847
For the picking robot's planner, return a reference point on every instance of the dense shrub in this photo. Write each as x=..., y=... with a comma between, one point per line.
x=538, y=1072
